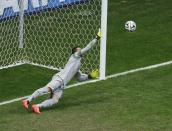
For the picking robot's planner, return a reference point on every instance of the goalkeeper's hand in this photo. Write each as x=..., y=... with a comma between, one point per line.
x=99, y=35
x=94, y=74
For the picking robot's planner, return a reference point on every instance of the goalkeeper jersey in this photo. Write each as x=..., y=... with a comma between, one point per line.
x=70, y=69
x=73, y=65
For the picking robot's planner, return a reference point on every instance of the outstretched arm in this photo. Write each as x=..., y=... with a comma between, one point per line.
x=88, y=47
x=91, y=44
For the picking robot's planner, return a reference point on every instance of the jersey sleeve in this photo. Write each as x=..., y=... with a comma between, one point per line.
x=88, y=47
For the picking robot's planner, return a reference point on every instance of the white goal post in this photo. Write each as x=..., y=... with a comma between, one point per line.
x=43, y=32
x=104, y=14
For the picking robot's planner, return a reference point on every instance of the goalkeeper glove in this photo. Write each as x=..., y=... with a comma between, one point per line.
x=94, y=74
x=99, y=35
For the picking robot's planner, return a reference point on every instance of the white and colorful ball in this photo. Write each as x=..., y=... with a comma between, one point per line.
x=130, y=26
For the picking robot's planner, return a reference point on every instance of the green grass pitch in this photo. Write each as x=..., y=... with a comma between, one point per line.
x=140, y=101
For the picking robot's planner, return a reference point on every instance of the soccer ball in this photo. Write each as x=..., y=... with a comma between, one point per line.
x=130, y=26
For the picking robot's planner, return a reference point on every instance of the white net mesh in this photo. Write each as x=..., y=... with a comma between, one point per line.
x=9, y=52
x=50, y=33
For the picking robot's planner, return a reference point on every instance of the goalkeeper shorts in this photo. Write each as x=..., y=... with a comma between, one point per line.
x=56, y=87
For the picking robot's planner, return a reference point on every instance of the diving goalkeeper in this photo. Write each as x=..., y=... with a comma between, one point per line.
x=56, y=85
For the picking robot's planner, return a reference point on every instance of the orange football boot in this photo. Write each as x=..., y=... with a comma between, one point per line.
x=36, y=109
x=25, y=104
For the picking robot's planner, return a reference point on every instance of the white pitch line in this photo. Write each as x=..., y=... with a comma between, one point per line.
x=93, y=81
x=13, y=100
x=140, y=69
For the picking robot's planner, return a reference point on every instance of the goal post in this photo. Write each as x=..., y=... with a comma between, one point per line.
x=21, y=23
x=104, y=10
x=43, y=32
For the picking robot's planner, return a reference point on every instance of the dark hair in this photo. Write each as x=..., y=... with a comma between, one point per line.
x=74, y=49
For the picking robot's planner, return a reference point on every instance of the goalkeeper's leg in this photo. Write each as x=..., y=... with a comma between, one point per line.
x=50, y=102
x=39, y=92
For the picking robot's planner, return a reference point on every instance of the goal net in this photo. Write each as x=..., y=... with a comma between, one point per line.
x=43, y=32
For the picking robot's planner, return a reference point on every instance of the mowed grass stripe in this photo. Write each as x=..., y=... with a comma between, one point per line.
x=93, y=81
x=139, y=101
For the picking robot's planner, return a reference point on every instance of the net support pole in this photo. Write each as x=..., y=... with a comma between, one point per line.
x=104, y=13
x=21, y=24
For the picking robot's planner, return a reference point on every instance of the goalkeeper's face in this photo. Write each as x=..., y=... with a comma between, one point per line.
x=78, y=50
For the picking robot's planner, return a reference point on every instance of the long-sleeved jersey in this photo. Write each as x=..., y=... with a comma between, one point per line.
x=72, y=67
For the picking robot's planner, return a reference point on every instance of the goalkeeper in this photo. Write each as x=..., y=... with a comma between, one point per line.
x=56, y=85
